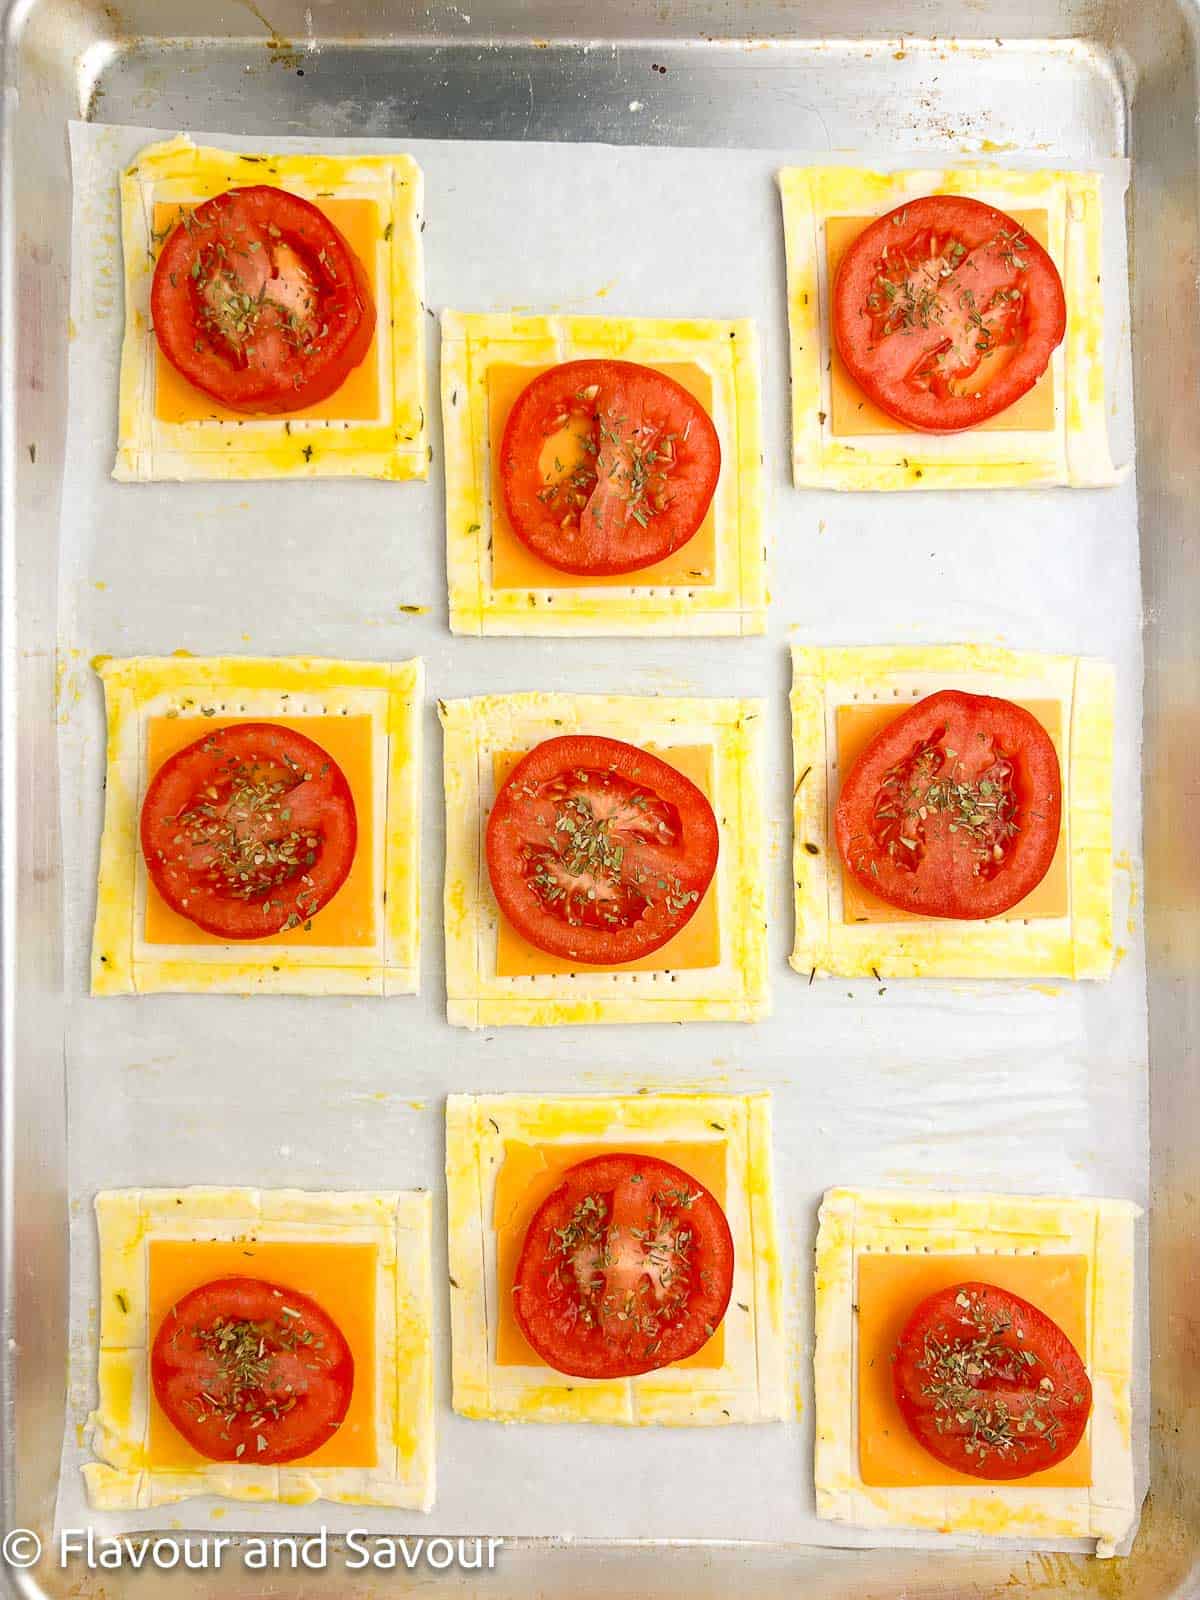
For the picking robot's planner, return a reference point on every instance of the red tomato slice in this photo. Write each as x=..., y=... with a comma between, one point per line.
x=945, y=311
x=953, y=810
x=258, y=300
x=251, y=1371
x=626, y=1267
x=989, y=1384
x=249, y=831
x=607, y=466
x=598, y=851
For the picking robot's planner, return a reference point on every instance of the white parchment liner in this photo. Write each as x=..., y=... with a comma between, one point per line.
x=1016, y=1087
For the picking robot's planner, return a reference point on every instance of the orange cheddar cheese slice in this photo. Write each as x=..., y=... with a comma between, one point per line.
x=349, y=918
x=357, y=397
x=857, y=725
x=890, y=1287
x=530, y=1173
x=514, y=565
x=850, y=410
x=698, y=944
x=339, y=1277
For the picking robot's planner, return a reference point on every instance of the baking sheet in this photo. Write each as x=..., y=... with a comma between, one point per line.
x=1018, y=1087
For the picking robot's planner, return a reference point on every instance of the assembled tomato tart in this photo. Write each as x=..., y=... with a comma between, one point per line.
x=946, y=311
x=626, y=1267
x=614, y=1258
x=274, y=315
x=965, y=833
x=250, y=1370
x=603, y=474
x=954, y=808
x=946, y=327
x=271, y=1345
x=612, y=892
x=973, y=1365
x=607, y=466
x=260, y=301
x=599, y=852
x=261, y=826
x=249, y=831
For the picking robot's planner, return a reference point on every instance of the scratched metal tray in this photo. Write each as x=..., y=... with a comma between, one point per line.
x=1085, y=75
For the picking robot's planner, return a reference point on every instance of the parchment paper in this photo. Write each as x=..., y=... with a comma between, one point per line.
x=1017, y=1087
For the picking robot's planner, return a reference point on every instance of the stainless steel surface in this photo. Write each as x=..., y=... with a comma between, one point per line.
x=1082, y=79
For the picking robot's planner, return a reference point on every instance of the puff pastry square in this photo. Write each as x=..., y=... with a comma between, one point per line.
x=734, y=990
x=749, y=1385
x=1072, y=449
x=396, y=1225
x=386, y=699
x=858, y=1222
x=1075, y=941
x=725, y=594
x=384, y=435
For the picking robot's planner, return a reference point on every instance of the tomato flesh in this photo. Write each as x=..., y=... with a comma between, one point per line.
x=252, y=1371
x=259, y=301
x=946, y=311
x=626, y=1267
x=249, y=830
x=989, y=1384
x=607, y=466
x=599, y=852
x=953, y=809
